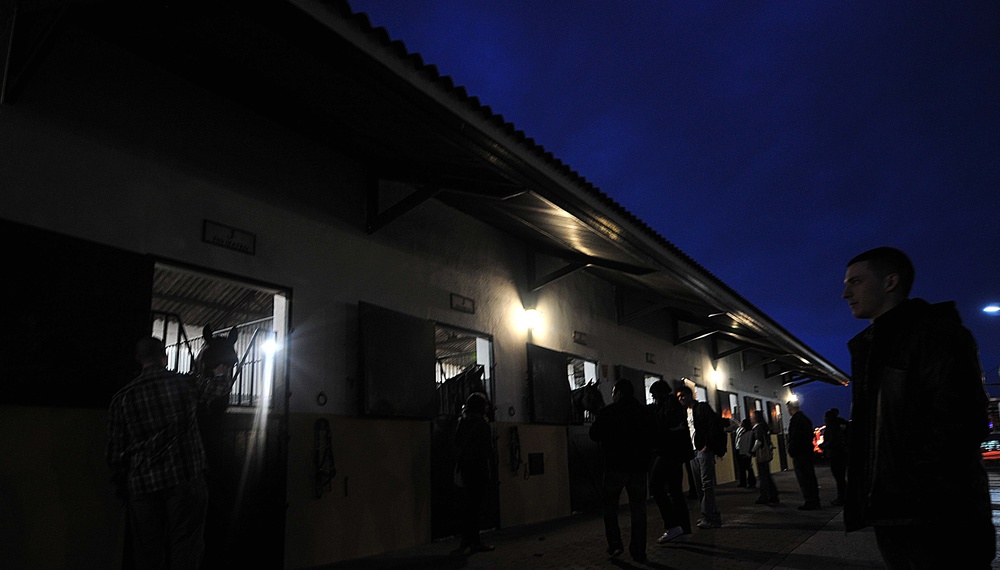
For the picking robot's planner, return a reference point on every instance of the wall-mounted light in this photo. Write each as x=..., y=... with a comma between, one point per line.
x=531, y=319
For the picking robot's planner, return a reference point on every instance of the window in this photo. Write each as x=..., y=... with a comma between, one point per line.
x=185, y=301
x=463, y=365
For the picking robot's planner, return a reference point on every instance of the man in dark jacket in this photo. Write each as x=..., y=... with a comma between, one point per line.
x=474, y=453
x=924, y=490
x=624, y=430
x=800, y=448
x=672, y=449
x=701, y=418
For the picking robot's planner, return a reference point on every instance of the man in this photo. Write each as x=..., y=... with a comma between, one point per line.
x=671, y=451
x=744, y=442
x=473, y=469
x=157, y=460
x=624, y=430
x=701, y=418
x=835, y=451
x=918, y=416
x=800, y=448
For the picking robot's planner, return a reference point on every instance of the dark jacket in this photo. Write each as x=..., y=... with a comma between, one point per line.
x=624, y=430
x=835, y=438
x=474, y=446
x=800, y=435
x=671, y=438
x=918, y=416
x=704, y=419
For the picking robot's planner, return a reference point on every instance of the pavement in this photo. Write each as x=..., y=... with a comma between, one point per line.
x=753, y=537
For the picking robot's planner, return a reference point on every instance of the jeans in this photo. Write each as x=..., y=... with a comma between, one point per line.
x=703, y=465
x=666, y=484
x=474, y=494
x=746, y=474
x=805, y=474
x=768, y=490
x=169, y=526
x=634, y=484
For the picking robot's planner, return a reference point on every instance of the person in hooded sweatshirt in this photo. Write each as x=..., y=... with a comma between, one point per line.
x=925, y=492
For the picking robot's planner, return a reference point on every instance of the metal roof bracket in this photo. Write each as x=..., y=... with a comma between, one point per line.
x=535, y=283
x=377, y=218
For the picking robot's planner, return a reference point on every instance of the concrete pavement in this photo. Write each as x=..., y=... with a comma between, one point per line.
x=753, y=537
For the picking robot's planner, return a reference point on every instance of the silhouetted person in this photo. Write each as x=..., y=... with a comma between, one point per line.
x=672, y=449
x=834, y=448
x=700, y=421
x=800, y=447
x=762, y=451
x=924, y=491
x=474, y=446
x=624, y=430
x=157, y=460
x=744, y=460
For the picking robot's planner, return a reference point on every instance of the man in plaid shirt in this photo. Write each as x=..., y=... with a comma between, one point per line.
x=157, y=459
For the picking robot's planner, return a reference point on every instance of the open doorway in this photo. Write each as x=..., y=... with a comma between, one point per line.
x=244, y=436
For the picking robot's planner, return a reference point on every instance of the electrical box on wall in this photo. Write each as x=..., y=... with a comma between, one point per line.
x=536, y=463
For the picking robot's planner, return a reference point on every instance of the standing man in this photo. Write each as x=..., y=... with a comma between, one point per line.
x=800, y=448
x=671, y=451
x=701, y=418
x=473, y=469
x=157, y=460
x=926, y=493
x=835, y=450
x=624, y=430
x=744, y=442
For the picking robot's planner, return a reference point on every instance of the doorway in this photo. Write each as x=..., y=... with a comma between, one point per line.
x=245, y=435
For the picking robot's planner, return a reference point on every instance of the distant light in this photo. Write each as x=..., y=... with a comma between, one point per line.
x=991, y=309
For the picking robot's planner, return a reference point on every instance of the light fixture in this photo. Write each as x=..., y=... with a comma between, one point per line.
x=992, y=309
x=532, y=319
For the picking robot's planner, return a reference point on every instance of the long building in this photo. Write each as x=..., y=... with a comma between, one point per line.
x=384, y=244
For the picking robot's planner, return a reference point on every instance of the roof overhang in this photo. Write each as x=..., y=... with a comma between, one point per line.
x=324, y=72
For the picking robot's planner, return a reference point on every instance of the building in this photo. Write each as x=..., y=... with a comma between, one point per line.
x=378, y=237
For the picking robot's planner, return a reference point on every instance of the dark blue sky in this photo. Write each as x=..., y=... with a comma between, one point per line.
x=770, y=141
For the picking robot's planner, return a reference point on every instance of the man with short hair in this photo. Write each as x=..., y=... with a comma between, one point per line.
x=701, y=418
x=624, y=430
x=923, y=488
x=157, y=459
x=800, y=448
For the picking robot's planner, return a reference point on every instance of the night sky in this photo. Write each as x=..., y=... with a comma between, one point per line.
x=770, y=141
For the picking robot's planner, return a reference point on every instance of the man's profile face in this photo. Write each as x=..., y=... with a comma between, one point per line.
x=865, y=291
x=682, y=398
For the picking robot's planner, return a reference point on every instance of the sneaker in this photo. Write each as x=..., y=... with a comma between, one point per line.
x=707, y=524
x=614, y=551
x=670, y=535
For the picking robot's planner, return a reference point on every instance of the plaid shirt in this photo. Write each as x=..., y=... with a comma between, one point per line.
x=153, y=437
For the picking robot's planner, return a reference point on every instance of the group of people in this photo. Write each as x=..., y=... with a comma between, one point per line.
x=925, y=492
